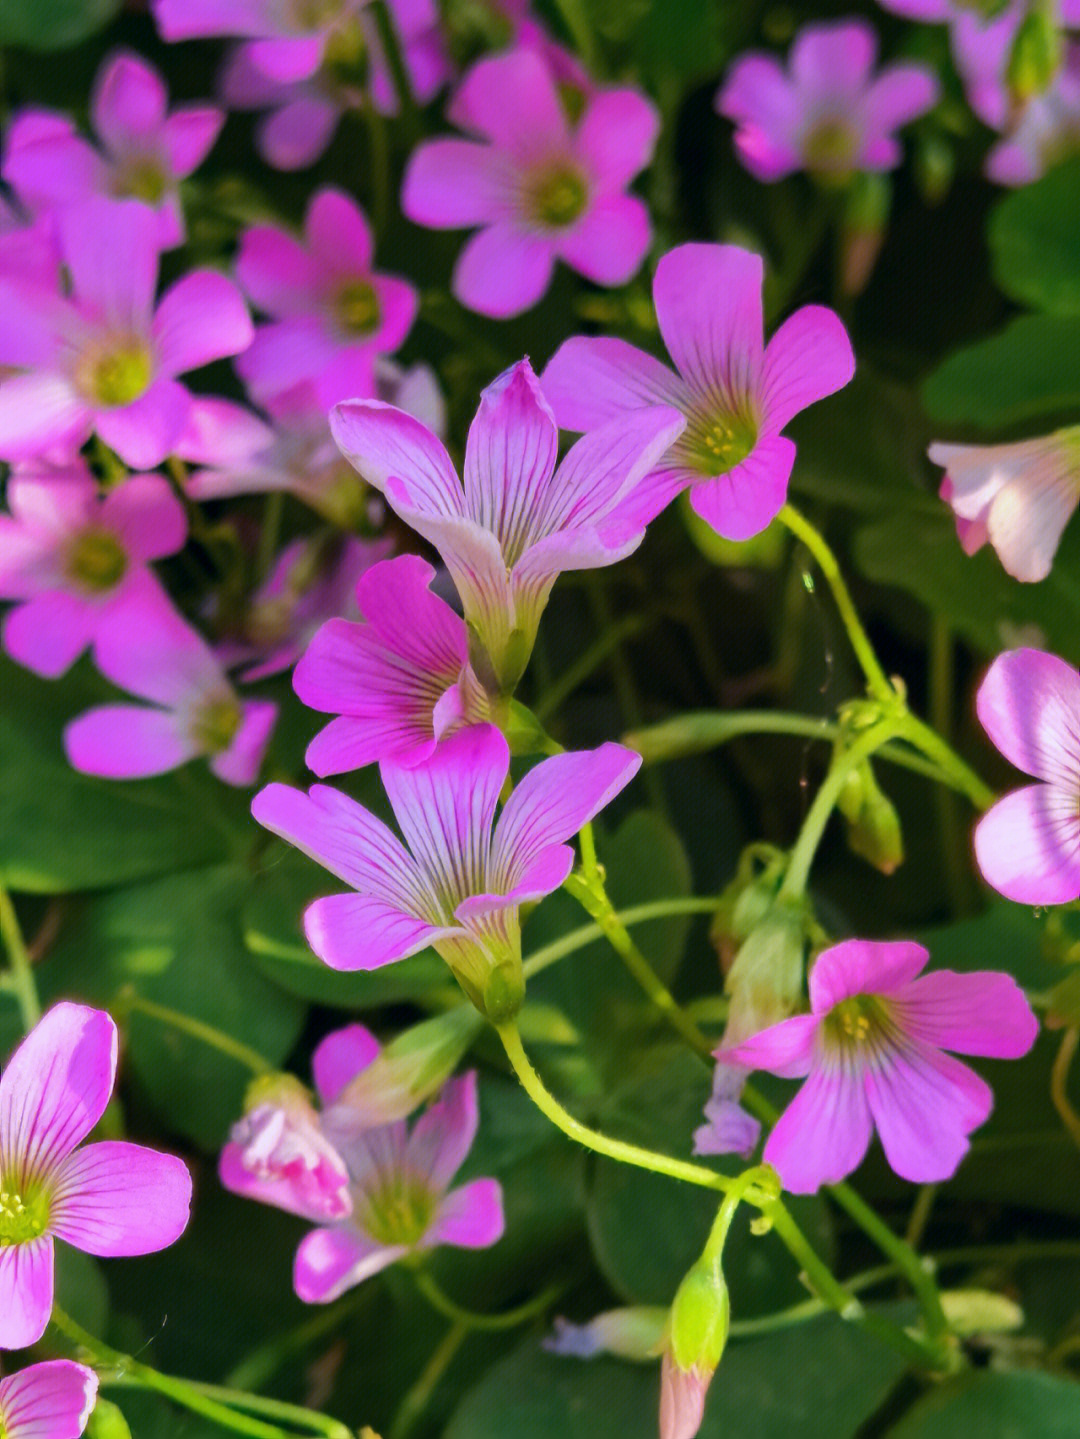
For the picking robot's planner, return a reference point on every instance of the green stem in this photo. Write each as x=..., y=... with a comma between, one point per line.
x=488, y=1323
x=615, y=1149
x=418, y=1397
x=273, y=513
x=958, y=773
x=23, y=984
x=391, y=45
x=761, y=1176
x=556, y=693
x=576, y=20
x=127, y=1001
x=257, y=1367
x=379, y=152
x=577, y=939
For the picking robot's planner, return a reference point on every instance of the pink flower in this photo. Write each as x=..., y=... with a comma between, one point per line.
x=872, y=1053
x=737, y=393
x=76, y=558
x=828, y=113
x=107, y=1199
x=105, y=358
x=682, y=1399
x=1028, y=844
x=728, y=1129
x=400, y=680
x=331, y=313
x=1020, y=497
x=291, y=40
x=519, y=522
x=402, y=1202
x=156, y=655
x=144, y=151
x=540, y=187
x=460, y=882
x=1047, y=131
x=47, y=1401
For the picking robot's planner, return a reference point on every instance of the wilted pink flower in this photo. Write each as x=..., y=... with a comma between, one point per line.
x=107, y=1199
x=144, y=151
x=402, y=1202
x=76, y=558
x=728, y=1128
x=737, y=393
x=104, y=358
x=53, y=1400
x=331, y=313
x=519, y=522
x=159, y=657
x=291, y=40
x=399, y=681
x=872, y=1053
x=1047, y=131
x=1019, y=497
x=827, y=113
x=459, y=884
x=540, y=187
x=1028, y=844
x=313, y=580
x=304, y=114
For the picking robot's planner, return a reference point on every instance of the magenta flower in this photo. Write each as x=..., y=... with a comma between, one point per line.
x=1020, y=497
x=104, y=358
x=144, y=151
x=76, y=559
x=737, y=393
x=53, y=1400
x=107, y=1199
x=540, y=187
x=872, y=1053
x=402, y=1202
x=1047, y=131
x=332, y=314
x=458, y=885
x=519, y=522
x=291, y=40
x=399, y=680
x=827, y=113
x=1028, y=844
x=155, y=654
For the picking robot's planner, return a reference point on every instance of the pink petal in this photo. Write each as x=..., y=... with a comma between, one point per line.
x=128, y=102
x=443, y=1135
x=748, y=498
x=296, y=135
x=146, y=431
x=350, y=743
x=290, y=57
x=833, y=58
x=588, y=382
x=1028, y=704
x=305, y=1199
x=900, y=94
x=54, y=1090
x=28, y=559
x=1027, y=517
x=127, y=742
x=602, y=473
x=220, y=432
x=454, y=184
x=147, y=515
x=925, y=1104
x=383, y=443
x=823, y=1134
x=786, y=1049
x=110, y=247
x=240, y=763
x=503, y=270
x=470, y=1217
x=610, y=241
x=510, y=458
x=38, y=412
x=338, y=234
x=188, y=136
x=49, y=632
x=276, y=271
x=157, y=656
x=809, y=357
x=195, y=19
x=512, y=100
x=541, y=876
x=976, y=1013
x=863, y=966
x=26, y=1291
x=289, y=353
x=116, y=1199
x=769, y=111
x=48, y=1401
x=352, y=931
x=708, y=306
x=398, y=303
x=340, y=1057
x=48, y=164
x=330, y=1261
x=616, y=136
x=1028, y=845
x=201, y=318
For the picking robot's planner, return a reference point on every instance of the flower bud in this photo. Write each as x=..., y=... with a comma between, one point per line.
x=107, y=1422
x=873, y=824
x=764, y=983
x=636, y=1334
x=980, y=1311
x=1037, y=54
x=697, y=1333
x=862, y=230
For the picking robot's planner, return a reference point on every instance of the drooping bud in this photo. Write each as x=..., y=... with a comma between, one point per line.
x=280, y=1140
x=862, y=230
x=697, y=1332
x=1036, y=55
x=873, y=824
x=636, y=1334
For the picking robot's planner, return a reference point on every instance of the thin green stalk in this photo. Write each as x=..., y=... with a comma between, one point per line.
x=379, y=155
x=128, y=1001
x=487, y=1323
x=391, y=45
x=418, y=1397
x=590, y=658
x=760, y=1177
x=577, y=939
x=257, y=1367
x=23, y=984
x=273, y=513
x=960, y=774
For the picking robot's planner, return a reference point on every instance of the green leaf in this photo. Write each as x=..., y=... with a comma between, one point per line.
x=60, y=830
x=177, y=941
x=53, y=24
x=1035, y=244
x=1026, y=372
x=81, y=1288
x=996, y=1406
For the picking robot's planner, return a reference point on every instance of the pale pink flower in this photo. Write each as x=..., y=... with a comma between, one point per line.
x=1046, y=131
x=53, y=1400
x=291, y=38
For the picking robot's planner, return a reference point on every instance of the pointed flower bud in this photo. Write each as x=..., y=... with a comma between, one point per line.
x=765, y=981
x=1037, y=54
x=873, y=824
x=636, y=1333
x=698, y=1330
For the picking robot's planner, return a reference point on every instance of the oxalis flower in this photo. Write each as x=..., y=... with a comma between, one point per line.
x=872, y=1053
x=109, y=1199
x=736, y=392
x=520, y=521
x=1028, y=844
x=290, y=38
x=459, y=885
x=827, y=113
x=53, y=1400
x=399, y=680
x=540, y=187
x=1020, y=497
x=76, y=559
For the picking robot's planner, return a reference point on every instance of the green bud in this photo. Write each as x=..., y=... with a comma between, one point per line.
x=412, y=1067
x=873, y=824
x=700, y=1318
x=281, y=1090
x=107, y=1422
x=504, y=991
x=980, y=1311
x=1037, y=54
x=862, y=230
x=935, y=166
x=765, y=982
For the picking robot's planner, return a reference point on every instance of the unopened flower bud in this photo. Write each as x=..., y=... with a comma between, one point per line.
x=280, y=1140
x=765, y=982
x=697, y=1332
x=862, y=232
x=873, y=824
x=980, y=1311
x=1036, y=54
x=636, y=1333
x=107, y=1422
